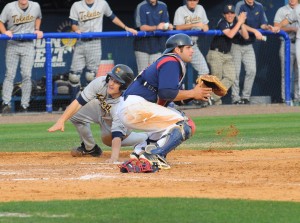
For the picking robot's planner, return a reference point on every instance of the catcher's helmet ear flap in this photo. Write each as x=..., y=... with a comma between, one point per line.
x=122, y=74
x=176, y=40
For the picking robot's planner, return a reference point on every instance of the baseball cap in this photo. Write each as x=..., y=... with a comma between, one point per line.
x=228, y=8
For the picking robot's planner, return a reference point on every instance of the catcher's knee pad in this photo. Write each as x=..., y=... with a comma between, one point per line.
x=172, y=139
x=187, y=129
x=90, y=75
x=74, y=79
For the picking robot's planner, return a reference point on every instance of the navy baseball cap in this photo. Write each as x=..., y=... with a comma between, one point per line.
x=228, y=8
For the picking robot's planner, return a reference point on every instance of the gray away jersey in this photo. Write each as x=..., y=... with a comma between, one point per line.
x=90, y=19
x=17, y=20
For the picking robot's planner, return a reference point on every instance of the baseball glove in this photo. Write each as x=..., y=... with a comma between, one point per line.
x=213, y=82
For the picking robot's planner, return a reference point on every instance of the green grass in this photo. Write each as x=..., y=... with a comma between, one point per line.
x=151, y=210
x=253, y=131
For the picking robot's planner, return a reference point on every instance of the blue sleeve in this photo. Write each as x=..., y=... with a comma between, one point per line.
x=81, y=101
x=165, y=17
x=74, y=22
x=117, y=135
x=168, y=94
x=263, y=19
x=112, y=17
x=143, y=18
x=222, y=25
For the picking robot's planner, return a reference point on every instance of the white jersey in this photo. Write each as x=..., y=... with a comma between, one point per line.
x=281, y=14
x=90, y=19
x=295, y=17
x=109, y=120
x=185, y=16
x=19, y=21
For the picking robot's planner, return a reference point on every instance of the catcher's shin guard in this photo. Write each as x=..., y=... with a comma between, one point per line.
x=173, y=139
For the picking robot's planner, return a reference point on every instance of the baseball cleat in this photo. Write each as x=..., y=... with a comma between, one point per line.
x=81, y=151
x=136, y=155
x=23, y=109
x=156, y=160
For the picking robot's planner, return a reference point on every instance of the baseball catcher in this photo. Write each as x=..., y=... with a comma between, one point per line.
x=144, y=105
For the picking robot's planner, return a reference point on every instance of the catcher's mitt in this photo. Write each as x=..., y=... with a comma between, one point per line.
x=213, y=82
x=137, y=166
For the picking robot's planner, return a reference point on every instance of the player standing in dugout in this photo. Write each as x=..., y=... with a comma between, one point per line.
x=87, y=16
x=19, y=17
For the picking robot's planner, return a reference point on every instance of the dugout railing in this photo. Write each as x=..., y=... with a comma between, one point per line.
x=48, y=64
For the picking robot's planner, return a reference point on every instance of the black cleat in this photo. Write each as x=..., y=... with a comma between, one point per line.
x=239, y=102
x=245, y=101
x=23, y=109
x=82, y=151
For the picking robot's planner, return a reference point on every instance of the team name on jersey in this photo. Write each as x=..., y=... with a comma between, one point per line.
x=104, y=105
x=85, y=16
x=191, y=20
x=22, y=19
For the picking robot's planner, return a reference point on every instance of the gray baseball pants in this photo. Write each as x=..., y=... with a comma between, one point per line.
x=23, y=52
x=243, y=54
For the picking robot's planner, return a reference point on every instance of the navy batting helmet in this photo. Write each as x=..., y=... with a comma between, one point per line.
x=122, y=74
x=176, y=40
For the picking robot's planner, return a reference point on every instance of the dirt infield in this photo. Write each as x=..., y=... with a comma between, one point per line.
x=251, y=174
x=264, y=174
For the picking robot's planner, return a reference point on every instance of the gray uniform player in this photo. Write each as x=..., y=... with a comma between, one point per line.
x=243, y=51
x=19, y=17
x=193, y=16
x=87, y=16
x=291, y=29
x=97, y=104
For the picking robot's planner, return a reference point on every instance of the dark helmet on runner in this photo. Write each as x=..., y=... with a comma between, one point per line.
x=176, y=40
x=122, y=74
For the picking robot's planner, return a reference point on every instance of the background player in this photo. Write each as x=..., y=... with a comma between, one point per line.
x=242, y=50
x=97, y=104
x=144, y=102
x=87, y=16
x=17, y=17
x=150, y=15
x=192, y=16
x=291, y=29
x=218, y=56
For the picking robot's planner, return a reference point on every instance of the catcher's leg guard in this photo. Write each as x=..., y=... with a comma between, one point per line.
x=175, y=136
x=172, y=139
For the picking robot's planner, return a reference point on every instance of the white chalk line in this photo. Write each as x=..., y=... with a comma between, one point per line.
x=151, y=176
x=24, y=215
